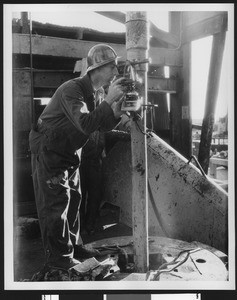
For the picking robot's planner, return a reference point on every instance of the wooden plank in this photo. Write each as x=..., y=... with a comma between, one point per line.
x=162, y=84
x=48, y=78
x=205, y=28
x=54, y=80
x=218, y=45
x=196, y=126
x=51, y=46
x=51, y=79
x=59, y=47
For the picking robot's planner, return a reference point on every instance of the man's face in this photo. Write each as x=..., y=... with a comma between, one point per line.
x=109, y=71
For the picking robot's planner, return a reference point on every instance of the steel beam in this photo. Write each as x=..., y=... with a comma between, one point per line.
x=204, y=28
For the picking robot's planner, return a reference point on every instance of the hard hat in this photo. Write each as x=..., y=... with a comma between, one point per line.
x=100, y=55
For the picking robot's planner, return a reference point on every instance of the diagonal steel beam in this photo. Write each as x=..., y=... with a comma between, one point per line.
x=114, y=15
x=164, y=36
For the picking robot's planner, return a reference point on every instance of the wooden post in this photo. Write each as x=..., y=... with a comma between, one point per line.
x=137, y=49
x=211, y=98
x=186, y=122
x=175, y=99
x=180, y=104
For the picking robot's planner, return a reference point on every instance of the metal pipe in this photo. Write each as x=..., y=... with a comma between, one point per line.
x=137, y=50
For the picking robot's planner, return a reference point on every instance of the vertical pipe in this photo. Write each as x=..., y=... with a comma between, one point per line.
x=211, y=98
x=33, y=119
x=137, y=49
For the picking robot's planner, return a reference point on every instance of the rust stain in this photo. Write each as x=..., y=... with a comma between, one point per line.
x=203, y=186
x=140, y=169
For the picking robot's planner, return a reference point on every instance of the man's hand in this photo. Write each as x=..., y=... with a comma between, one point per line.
x=116, y=107
x=115, y=91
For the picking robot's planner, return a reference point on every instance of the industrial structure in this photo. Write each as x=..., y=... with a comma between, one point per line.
x=161, y=189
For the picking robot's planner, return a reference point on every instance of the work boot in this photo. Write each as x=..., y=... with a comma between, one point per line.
x=81, y=252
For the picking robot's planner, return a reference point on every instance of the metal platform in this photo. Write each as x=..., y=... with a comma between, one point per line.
x=203, y=263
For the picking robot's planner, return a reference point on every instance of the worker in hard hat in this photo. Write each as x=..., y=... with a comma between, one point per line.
x=62, y=130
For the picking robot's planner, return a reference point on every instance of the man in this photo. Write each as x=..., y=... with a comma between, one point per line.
x=62, y=130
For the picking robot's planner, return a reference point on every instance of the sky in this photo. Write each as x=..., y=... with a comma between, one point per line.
x=199, y=78
x=84, y=16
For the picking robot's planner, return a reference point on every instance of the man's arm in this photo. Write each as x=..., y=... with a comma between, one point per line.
x=75, y=108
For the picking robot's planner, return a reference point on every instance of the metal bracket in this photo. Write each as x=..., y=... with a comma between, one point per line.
x=137, y=62
x=198, y=165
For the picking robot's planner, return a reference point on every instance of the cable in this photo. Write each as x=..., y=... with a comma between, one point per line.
x=174, y=262
x=198, y=164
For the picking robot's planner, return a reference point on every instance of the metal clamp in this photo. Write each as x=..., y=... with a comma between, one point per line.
x=137, y=62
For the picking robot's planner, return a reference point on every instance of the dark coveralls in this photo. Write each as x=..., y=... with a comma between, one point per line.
x=91, y=174
x=91, y=179
x=62, y=130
